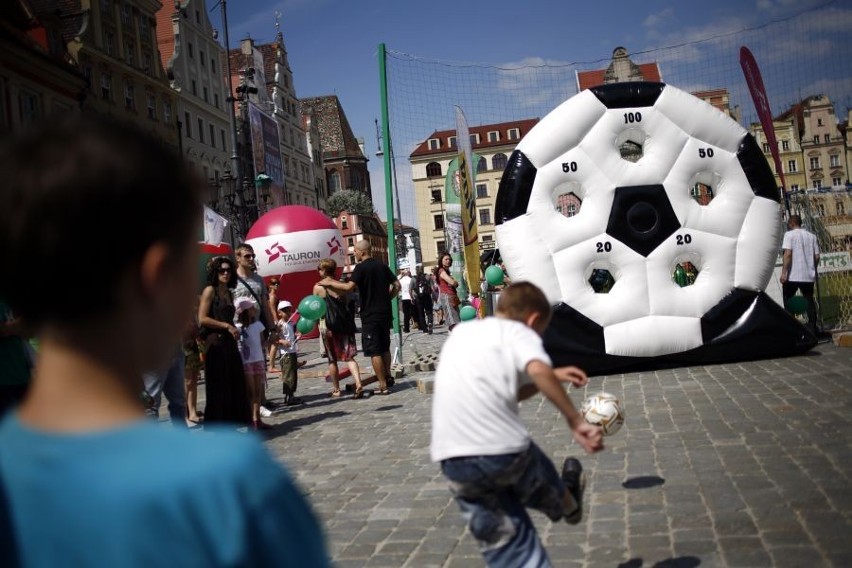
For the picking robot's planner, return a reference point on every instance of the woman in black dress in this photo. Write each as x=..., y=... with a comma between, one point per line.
x=223, y=368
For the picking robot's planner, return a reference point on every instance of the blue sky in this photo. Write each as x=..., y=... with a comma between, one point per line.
x=332, y=44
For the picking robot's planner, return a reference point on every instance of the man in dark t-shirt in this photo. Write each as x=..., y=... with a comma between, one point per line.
x=377, y=285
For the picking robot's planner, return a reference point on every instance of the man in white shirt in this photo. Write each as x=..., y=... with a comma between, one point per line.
x=801, y=256
x=405, y=295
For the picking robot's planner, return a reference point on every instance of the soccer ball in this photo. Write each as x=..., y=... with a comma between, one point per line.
x=651, y=222
x=603, y=409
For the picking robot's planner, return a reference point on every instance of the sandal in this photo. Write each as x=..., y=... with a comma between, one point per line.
x=359, y=393
x=335, y=394
x=383, y=392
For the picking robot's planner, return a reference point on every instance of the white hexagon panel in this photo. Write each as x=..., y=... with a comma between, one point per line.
x=666, y=261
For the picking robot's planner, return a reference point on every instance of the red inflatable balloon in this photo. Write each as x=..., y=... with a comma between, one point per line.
x=289, y=242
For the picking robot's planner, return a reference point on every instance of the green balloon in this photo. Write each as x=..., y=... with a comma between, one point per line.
x=305, y=325
x=494, y=275
x=467, y=313
x=312, y=307
x=797, y=305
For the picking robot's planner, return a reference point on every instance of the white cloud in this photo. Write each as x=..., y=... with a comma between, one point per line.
x=660, y=18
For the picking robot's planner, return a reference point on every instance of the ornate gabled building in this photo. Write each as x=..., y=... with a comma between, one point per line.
x=193, y=61
x=356, y=228
x=621, y=69
x=114, y=44
x=36, y=78
x=342, y=153
x=493, y=143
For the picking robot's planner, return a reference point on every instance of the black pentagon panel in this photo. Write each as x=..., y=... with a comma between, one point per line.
x=724, y=314
x=513, y=193
x=642, y=217
x=628, y=95
x=756, y=168
x=573, y=339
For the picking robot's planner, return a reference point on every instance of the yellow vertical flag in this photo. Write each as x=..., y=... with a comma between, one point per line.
x=470, y=232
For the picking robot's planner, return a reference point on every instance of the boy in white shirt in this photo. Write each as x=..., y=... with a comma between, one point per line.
x=495, y=470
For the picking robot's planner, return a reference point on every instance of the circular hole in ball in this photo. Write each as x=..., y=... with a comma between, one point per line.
x=568, y=198
x=703, y=187
x=686, y=270
x=631, y=145
x=601, y=277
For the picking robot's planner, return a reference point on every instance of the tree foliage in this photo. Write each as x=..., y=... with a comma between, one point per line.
x=355, y=202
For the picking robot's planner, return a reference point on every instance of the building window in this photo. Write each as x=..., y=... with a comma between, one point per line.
x=434, y=144
x=106, y=86
x=189, y=49
x=817, y=184
x=343, y=223
x=201, y=130
x=213, y=65
x=212, y=135
x=487, y=238
x=146, y=62
x=814, y=163
x=143, y=27
x=498, y=162
x=334, y=181
x=474, y=139
x=167, y=111
x=484, y=216
x=194, y=88
x=197, y=17
x=785, y=145
x=222, y=137
x=482, y=165
x=834, y=161
x=514, y=134
x=765, y=148
x=441, y=247
x=836, y=181
x=204, y=91
x=129, y=53
x=187, y=122
x=216, y=100
x=827, y=138
x=433, y=169
x=125, y=14
x=819, y=122
x=438, y=221
x=481, y=190
x=794, y=188
x=436, y=195
x=29, y=106
x=129, y=96
x=152, y=106
x=816, y=138
x=202, y=58
x=109, y=43
x=451, y=142
x=106, y=7
x=792, y=167
x=493, y=136
x=840, y=209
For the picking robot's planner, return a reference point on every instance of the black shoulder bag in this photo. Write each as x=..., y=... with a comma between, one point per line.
x=339, y=317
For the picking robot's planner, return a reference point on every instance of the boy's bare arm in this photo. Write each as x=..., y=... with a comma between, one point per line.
x=587, y=435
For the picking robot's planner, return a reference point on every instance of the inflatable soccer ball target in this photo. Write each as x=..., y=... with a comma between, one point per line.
x=675, y=235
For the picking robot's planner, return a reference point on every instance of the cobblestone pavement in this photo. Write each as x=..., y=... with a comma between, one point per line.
x=744, y=464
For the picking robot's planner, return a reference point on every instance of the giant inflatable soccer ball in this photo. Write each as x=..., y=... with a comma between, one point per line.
x=674, y=240
x=289, y=242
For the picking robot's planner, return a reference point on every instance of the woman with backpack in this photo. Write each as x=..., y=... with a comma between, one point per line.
x=337, y=330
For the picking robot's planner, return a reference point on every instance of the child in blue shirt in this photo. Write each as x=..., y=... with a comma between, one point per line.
x=85, y=478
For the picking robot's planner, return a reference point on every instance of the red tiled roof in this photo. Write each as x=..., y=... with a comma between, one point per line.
x=523, y=127
x=165, y=33
x=588, y=79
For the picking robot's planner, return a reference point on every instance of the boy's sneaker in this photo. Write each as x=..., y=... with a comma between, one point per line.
x=575, y=483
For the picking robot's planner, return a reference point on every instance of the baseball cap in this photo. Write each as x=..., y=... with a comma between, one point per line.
x=283, y=304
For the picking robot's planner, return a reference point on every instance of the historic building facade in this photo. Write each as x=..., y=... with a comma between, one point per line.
x=493, y=143
x=193, y=61
x=115, y=47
